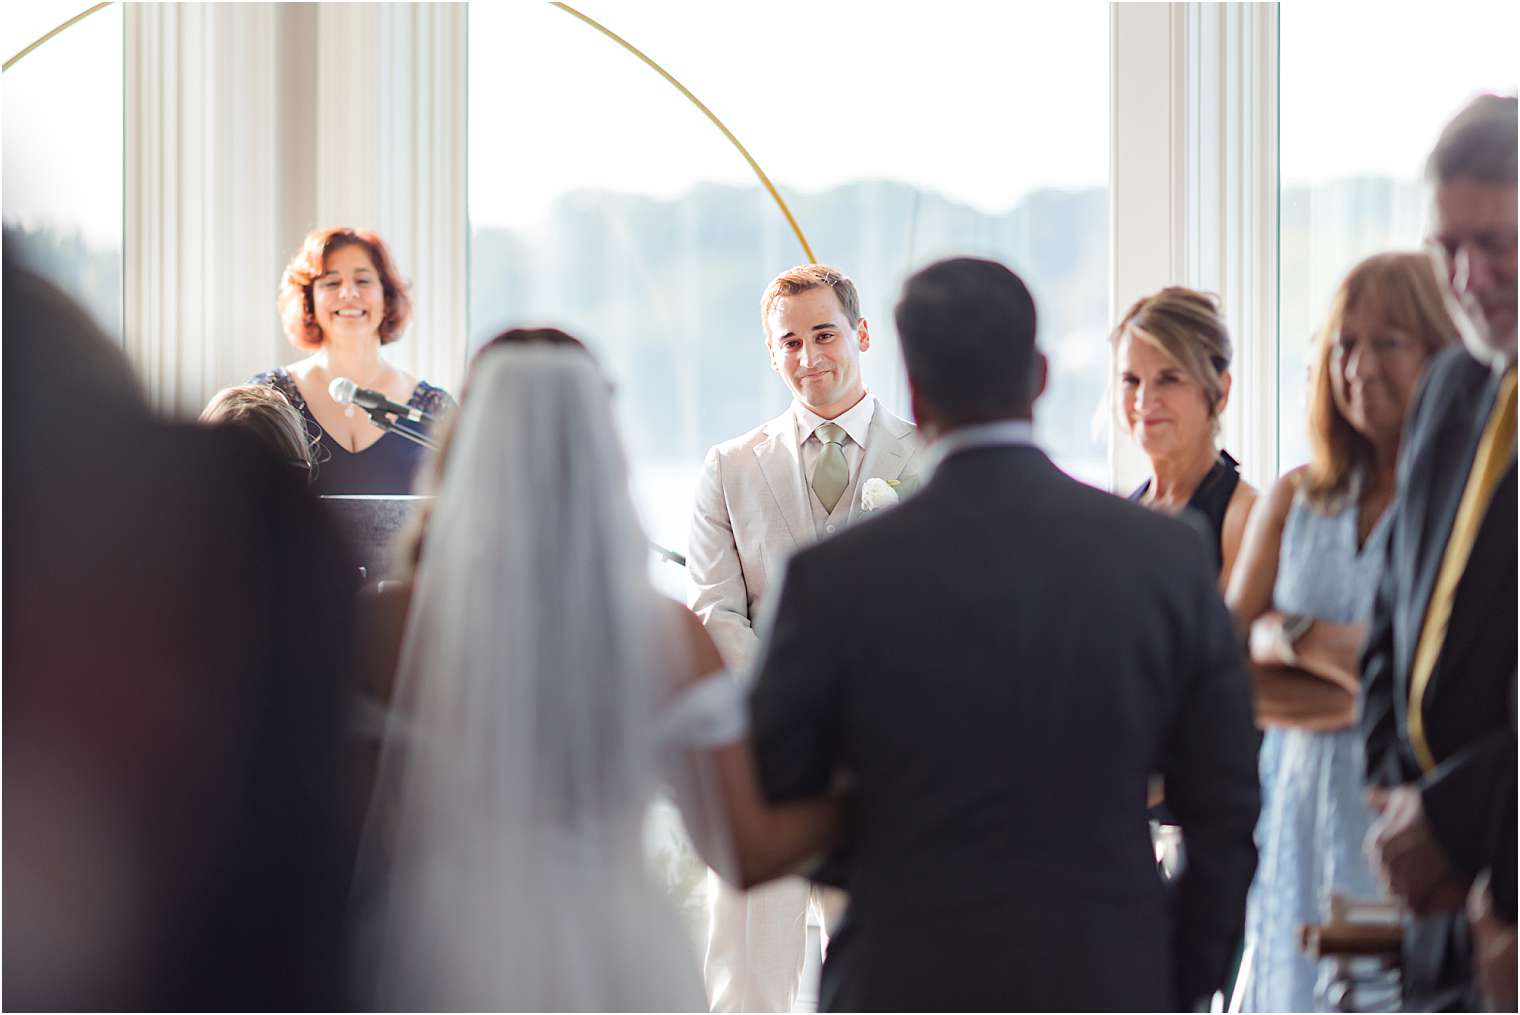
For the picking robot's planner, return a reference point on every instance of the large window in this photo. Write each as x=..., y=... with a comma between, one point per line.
x=63, y=147
x=1365, y=91
x=604, y=202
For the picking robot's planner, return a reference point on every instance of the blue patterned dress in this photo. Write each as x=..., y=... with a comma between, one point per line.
x=1313, y=816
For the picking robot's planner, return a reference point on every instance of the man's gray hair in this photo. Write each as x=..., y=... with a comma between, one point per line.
x=1478, y=144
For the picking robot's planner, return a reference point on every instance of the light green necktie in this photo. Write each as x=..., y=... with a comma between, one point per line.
x=832, y=473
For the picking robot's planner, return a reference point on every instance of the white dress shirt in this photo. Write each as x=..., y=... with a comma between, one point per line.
x=856, y=421
x=1004, y=432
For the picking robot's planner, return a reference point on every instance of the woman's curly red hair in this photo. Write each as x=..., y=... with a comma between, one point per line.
x=307, y=266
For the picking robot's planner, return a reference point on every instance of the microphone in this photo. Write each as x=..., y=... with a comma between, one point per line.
x=346, y=392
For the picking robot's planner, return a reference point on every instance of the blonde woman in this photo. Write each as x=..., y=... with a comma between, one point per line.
x=1173, y=352
x=1303, y=593
x=268, y=414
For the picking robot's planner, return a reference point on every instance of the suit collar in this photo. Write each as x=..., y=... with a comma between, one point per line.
x=780, y=459
x=890, y=446
x=1004, y=433
x=856, y=420
x=892, y=424
x=1463, y=429
x=1430, y=497
x=1482, y=578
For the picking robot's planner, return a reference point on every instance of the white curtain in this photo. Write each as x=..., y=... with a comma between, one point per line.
x=248, y=125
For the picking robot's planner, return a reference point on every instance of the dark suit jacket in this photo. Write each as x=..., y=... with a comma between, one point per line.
x=1468, y=710
x=997, y=665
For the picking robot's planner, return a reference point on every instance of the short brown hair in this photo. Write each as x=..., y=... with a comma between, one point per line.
x=1189, y=327
x=268, y=414
x=804, y=277
x=1406, y=292
x=308, y=265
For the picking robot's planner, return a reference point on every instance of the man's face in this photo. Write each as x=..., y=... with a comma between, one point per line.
x=816, y=350
x=1475, y=226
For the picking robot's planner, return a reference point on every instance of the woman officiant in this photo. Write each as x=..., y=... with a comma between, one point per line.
x=341, y=299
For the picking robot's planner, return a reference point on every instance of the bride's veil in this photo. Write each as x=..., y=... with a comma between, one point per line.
x=521, y=752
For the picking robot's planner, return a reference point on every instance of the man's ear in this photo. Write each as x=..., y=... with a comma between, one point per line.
x=923, y=414
x=1040, y=377
x=863, y=332
x=770, y=352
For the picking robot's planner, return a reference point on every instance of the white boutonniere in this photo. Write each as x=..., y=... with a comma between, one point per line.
x=878, y=493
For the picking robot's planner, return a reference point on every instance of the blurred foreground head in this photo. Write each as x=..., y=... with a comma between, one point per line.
x=170, y=696
x=269, y=416
x=967, y=328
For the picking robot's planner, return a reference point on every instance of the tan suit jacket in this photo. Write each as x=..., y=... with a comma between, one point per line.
x=752, y=513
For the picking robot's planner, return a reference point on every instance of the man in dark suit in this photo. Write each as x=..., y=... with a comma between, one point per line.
x=1438, y=671
x=993, y=669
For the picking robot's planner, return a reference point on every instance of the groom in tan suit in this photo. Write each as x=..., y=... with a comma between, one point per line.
x=762, y=497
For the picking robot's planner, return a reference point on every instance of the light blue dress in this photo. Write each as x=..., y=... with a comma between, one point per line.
x=1314, y=816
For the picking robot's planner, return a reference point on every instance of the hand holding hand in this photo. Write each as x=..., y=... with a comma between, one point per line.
x=1406, y=856
x=1493, y=948
x=1268, y=645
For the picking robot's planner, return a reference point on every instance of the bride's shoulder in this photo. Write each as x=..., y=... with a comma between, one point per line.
x=698, y=656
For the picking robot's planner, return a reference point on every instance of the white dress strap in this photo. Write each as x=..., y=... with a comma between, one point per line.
x=709, y=713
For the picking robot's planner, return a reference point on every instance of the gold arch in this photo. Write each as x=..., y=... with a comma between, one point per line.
x=74, y=20
x=764, y=180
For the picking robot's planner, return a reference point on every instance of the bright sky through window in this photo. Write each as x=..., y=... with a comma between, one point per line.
x=1363, y=83
x=881, y=105
x=63, y=139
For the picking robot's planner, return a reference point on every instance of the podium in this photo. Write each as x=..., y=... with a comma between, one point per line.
x=370, y=524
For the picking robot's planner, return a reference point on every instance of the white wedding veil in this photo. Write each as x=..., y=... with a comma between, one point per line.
x=523, y=745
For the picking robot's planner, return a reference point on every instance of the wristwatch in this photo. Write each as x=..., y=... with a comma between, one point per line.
x=1294, y=627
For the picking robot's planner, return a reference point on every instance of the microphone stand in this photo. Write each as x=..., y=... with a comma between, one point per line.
x=670, y=555
x=384, y=422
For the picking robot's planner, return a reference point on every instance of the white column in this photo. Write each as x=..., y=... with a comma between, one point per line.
x=1231, y=210
x=199, y=245
x=392, y=159
x=1194, y=191
x=247, y=125
x=1146, y=125
x=425, y=207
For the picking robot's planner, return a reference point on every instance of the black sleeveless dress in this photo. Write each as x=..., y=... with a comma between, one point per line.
x=387, y=466
x=1205, y=512
x=1207, y=507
